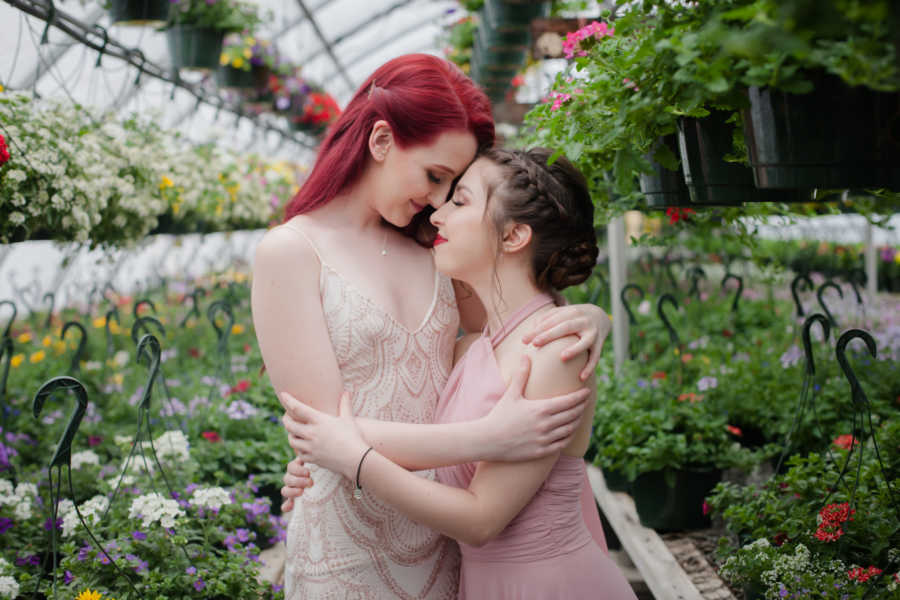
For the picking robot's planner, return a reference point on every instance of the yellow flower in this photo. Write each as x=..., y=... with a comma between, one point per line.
x=118, y=378
x=176, y=207
x=17, y=360
x=219, y=209
x=705, y=359
x=165, y=183
x=24, y=338
x=89, y=595
x=1, y=87
x=37, y=356
x=99, y=322
x=250, y=41
x=247, y=53
x=223, y=59
x=47, y=341
x=59, y=347
x=897, y=258
x=114, y=327
x=237, y=329
x=237, y=63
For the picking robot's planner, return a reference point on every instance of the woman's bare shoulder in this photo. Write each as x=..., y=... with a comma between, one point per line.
x=284, y=245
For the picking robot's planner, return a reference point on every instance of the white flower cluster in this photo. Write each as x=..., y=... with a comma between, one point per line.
x=213, y=498
x=171, y=446
x=91, y=511
x=93, y=178
x=21, y=498
x=9, y=587
x=153, y=507
x=85, y=457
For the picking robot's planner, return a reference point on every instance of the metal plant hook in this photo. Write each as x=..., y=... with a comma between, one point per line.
x=15, y=312
x=828, y=284
x=75, y=366
x=857, y=276
x=139, y=303
x=857, y=394
x=696, y=273
x=673, y=335
x=6, y=352
x=149, y=349
x=598, y=289
x=63, y=458
x=807, y=342
x=740, y=289
x=795, y=285
x=622, y=295
x=142, y=323
x=52, y=298
x=221, y=333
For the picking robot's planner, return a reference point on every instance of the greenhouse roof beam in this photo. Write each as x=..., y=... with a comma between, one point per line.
x=299, y=20
x=367, y=22
x=393, y=38
x=43, y=66
x=326, y=44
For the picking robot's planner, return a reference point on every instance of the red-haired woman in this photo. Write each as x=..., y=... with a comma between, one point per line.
x=346, y=297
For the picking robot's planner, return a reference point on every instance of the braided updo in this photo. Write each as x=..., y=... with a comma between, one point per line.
x=554, y=201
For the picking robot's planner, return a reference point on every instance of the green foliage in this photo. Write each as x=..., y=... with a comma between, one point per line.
x=225, y=15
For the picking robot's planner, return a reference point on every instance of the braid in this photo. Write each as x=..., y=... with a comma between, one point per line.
x=554, y=201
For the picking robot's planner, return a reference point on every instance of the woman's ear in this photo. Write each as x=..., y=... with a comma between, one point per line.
x=380, y=140
x=516, y=236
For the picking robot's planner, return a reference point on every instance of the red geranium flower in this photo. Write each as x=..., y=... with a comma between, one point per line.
x=676, y=214
x=242, y=386
x=212, y=436
x=706, y=508
x=845, y=441
x=246, y=348
x=4, y=151
x=727, y=333
x=659, y=375
x=780, y=538
x=734, y=430
x=862, y=575
x=194, y=352
x=94, y=440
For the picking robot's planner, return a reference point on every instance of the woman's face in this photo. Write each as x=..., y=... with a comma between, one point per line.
x=466, y=244
x=416, y=177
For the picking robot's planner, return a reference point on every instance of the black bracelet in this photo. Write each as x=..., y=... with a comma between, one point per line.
x=357, y=493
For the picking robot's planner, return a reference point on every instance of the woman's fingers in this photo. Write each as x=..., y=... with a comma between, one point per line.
x=546, y=323
x=297, y=468
x=575, y=326
x=572, y=400
x=296, y=428
x=287, y=506
x=297, y=409
x=520, y=377
x=292, y=481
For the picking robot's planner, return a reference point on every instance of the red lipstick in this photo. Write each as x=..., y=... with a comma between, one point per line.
x=439, y=240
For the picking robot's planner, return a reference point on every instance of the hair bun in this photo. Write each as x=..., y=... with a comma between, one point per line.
x=571, y=265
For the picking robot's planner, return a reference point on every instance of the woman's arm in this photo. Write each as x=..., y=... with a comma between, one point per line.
x=497, y=493
x=289, y=322
x=589, y=323
x=515, y=429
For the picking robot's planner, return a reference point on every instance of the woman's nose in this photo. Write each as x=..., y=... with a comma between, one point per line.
x=437, y=217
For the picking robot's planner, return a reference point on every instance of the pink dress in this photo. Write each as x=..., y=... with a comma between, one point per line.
x=547, y=550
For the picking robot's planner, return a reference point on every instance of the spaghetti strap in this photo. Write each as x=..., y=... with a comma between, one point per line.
x=539, y=301
x=308, y=240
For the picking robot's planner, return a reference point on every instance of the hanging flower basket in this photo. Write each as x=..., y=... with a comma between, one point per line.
x=149, y=13
x=663, y=187
x=673, y=503
x=711, y=180
x=194, y=47
x=834, y=137
x=318, y=111
x=497, y=51
x=512, y=15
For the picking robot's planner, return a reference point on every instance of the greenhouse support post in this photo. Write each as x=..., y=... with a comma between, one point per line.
x=871, y=261
x=617, y=280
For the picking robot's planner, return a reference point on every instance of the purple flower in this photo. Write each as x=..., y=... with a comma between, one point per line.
x=783, y=592
x=139, y=536
x=5, y=524
x=200, y=584
x=791, y=357
x=6, y=452
x=68, y=577
x=83, y=553
x=48, y=524
x=707, y=383
x=191, y=570
x=31, y=559
x=888, y=253
x=243, y=535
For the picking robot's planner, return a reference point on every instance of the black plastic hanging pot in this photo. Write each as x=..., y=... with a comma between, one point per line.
x=512, y=15
x=712, y=180
x=836, y=136
x=194, y=47
x=616, y=481
x=674, y=505
x=503, y=55
x=664, y=188
x=150, y=13
x=255, y=78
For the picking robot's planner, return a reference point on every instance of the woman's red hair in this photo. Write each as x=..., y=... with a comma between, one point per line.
x=420, y=96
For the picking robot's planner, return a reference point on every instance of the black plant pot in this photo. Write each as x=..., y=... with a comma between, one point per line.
x=150, y=13
x=194, y=47
x=711, y=179
x=836, y=136
x=664, y=188
x=616, y=481
x=675, y=507
x=512, y=15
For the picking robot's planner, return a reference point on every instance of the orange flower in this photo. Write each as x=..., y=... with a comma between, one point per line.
x=687, y=357
x=659, y=375
x=691, y=396
x=845, y=441
x=734, y=430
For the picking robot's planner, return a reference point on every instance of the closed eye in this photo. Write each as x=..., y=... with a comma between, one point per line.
x=432, y=178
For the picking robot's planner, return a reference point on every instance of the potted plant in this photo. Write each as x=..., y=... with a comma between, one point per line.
x=318, y=110
x=664, y=185
x=246, y=62
x=148, y=13
x=196, y=29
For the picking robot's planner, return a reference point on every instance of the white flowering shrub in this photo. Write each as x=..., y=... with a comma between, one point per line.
x=153, y=507
x=213, y=498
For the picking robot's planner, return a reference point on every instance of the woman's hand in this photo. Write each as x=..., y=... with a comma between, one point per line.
x=332, y=442
x=590, y=323
x=520, y=429
x=296, y=480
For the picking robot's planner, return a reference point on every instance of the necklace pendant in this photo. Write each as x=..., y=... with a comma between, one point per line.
x=384, y=252
x=357, y=493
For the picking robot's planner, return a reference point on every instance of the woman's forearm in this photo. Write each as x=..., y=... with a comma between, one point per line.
x=424, y=446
